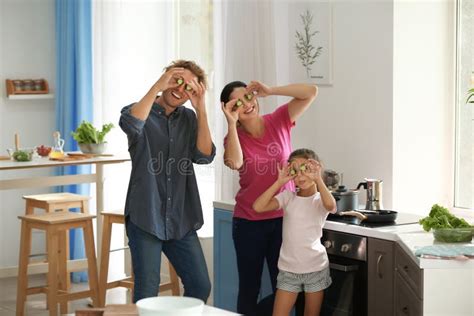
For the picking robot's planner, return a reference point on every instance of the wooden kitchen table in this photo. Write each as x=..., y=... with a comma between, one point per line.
x=59, y=180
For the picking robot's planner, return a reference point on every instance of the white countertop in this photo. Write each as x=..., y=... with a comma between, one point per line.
x=410, y=237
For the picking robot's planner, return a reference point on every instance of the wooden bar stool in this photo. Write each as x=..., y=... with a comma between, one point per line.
x=52, y=202
x=55, y=225
x=117, y=217
x=56, y=201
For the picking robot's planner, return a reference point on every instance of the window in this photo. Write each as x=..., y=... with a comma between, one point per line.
x=194, y=25
x=464, y=176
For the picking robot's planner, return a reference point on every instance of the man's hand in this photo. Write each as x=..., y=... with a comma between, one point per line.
x=169, y=79
x=196, y=95
x=259, y=89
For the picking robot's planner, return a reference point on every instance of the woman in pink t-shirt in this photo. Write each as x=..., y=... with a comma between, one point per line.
x=256, y=145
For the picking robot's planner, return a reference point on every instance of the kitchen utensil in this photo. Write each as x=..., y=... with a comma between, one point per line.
x=331, y=179
x=346, y=199
x=17, y=142
x=381, y=216
x=374, y=193
x=170, y=306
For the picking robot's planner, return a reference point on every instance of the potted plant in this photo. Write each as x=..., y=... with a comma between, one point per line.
x=470, y=96
x=91, y=140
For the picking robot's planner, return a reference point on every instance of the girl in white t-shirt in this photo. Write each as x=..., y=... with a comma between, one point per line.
x=303, y=262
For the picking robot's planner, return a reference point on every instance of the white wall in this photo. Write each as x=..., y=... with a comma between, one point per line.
x=424, y=104
x=350, y=123
x=27, y=50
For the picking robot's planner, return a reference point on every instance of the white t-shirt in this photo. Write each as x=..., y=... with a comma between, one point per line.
x=303, y=220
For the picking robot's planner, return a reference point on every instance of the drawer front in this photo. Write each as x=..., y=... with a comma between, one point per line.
x=406, y=302
x=409, y=270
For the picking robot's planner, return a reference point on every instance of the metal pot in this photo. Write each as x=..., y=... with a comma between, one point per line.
x=346, y=200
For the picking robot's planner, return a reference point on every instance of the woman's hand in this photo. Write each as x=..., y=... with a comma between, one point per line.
x=196, y=95
x=284, y=175
x=169, y=79
x=231, y=114
x=258, y=89
x=314, y=170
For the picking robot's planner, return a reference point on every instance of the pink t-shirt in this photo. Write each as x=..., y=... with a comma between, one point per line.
x=262, y=156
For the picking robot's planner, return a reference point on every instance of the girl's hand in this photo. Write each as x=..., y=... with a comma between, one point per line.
x=231, y=114
x=314, y=170
x=196, y=95
x=258, y=89
x=169, y=79
x=284, y=175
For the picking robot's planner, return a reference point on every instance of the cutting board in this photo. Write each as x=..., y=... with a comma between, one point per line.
x=110, y=310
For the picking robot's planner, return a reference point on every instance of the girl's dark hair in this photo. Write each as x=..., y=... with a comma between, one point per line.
x=303, y=153
x=225, y=94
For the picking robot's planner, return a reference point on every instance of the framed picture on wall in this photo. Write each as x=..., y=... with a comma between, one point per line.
x=309, y=41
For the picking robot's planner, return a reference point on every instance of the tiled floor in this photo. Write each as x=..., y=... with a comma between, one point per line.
x=36, y=304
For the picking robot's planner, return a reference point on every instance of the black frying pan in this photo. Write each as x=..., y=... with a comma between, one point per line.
x=356, y=217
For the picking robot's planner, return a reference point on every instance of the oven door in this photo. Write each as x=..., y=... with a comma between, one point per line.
x=347, y=295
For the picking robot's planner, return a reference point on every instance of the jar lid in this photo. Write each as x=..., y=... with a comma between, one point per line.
x=342, y=190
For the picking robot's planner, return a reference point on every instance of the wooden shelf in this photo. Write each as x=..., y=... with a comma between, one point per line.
x=30, y=96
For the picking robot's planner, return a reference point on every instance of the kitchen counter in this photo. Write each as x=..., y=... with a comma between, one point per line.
x=410, y=237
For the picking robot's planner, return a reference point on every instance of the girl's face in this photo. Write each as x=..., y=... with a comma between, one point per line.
x=248, y=105
x=300, y=168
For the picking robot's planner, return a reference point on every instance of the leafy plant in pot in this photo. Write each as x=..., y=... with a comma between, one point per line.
x=90, y=139
x=470, y=96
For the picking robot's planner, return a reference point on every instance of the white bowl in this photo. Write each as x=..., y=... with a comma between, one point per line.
x=170, y=306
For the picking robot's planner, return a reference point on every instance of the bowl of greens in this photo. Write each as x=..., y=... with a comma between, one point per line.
x=447, y=227
x=22, y=154
x=90, y=139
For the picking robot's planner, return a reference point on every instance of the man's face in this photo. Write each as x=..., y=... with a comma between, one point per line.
x=175, y=97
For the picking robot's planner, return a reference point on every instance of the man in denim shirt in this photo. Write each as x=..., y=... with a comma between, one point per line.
x=163, y=208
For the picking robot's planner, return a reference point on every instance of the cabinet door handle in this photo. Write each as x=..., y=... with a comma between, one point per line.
x=378, y=266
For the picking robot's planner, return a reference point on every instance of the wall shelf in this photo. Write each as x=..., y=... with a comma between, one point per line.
x=30, y=96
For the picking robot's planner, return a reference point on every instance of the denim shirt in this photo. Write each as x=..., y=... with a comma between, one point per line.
x=163, y=197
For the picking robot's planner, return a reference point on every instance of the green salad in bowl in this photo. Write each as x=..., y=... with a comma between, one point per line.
x=447, y=227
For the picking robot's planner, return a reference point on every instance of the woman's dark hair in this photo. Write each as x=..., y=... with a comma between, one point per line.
x=225, y=94
x=303, y=153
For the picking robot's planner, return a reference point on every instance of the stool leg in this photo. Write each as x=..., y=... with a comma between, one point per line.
x=174, y=280
x=25, y=248
x=63, y=275
x=104, y=259
x=85, y=207
x=91, y=263
x=52, y=234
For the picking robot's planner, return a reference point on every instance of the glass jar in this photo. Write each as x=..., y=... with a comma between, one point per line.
x=28, y=85
x=18, y=85
x=38, y=85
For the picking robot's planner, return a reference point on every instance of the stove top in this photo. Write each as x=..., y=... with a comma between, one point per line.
x=402, y=219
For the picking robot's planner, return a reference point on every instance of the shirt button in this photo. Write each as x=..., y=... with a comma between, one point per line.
x=169, y=199
x=171, y=139
x=169, y=179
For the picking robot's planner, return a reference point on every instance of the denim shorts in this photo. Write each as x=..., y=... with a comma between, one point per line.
x=304, y=282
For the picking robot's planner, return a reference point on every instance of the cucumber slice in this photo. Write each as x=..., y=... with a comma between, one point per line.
x=239, y=103
x=249, y=96
x=303, y=168
x=292, y=172
x=188, y=88
x=180, y=81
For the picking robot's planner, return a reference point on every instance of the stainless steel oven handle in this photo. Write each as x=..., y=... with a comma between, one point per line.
x=343, y=268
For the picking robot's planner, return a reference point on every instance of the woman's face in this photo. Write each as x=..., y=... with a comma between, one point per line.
x=249, y=107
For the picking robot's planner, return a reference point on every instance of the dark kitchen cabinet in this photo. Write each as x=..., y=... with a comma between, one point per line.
x=408, y=285
x=380, y=277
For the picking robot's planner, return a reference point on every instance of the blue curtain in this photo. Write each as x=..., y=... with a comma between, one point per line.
x=74, y=93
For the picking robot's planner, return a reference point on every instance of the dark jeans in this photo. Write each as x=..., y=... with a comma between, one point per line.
x=185, y=255
x=256, y=241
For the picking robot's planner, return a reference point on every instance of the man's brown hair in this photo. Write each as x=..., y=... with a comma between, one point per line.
x=191, y=66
